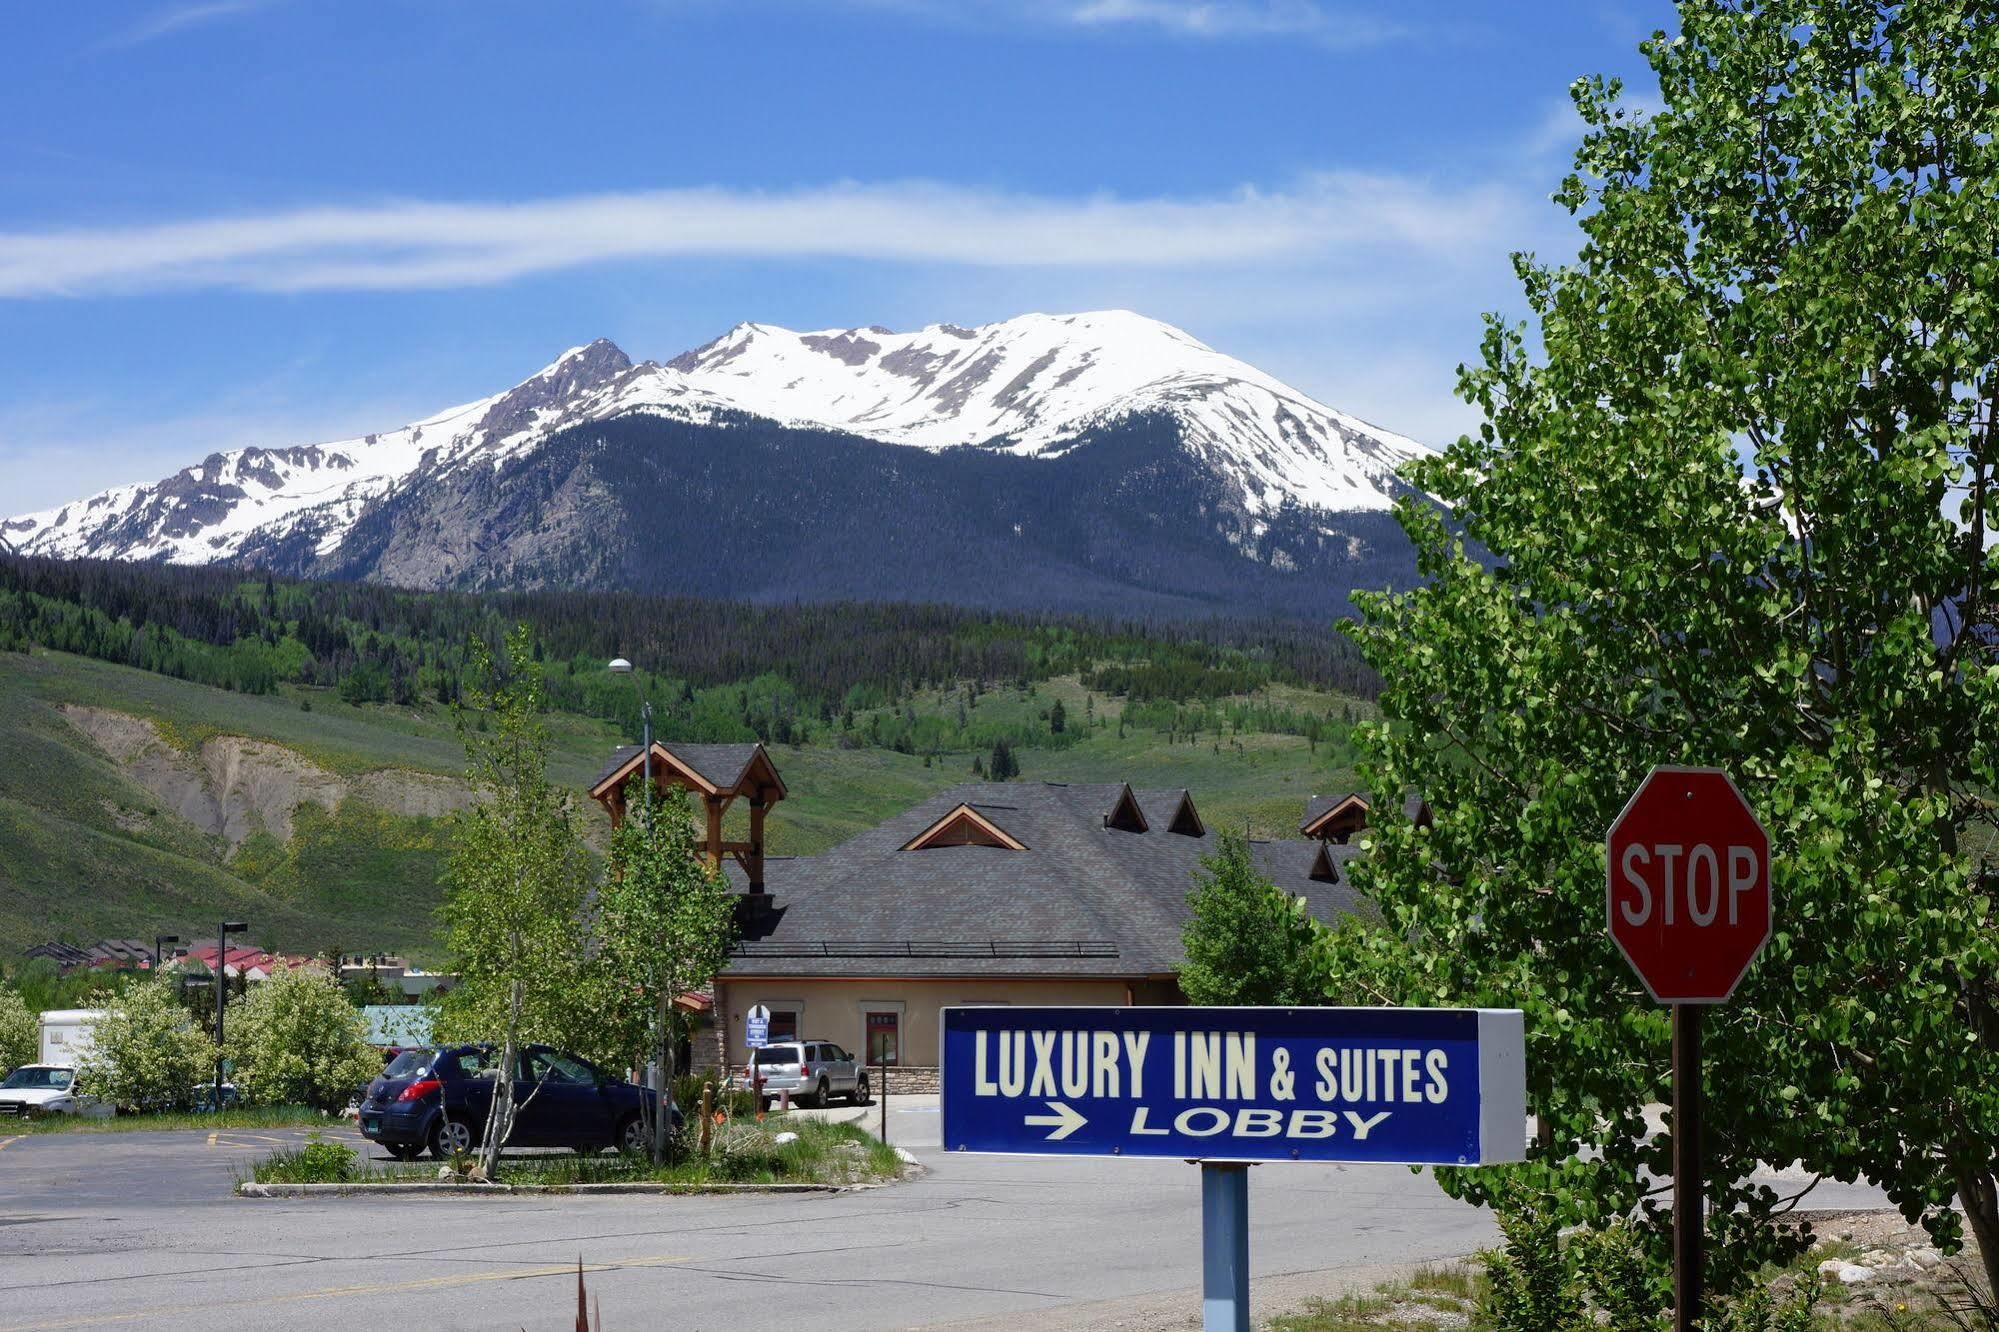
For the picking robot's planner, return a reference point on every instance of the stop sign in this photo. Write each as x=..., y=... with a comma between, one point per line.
x=1689, y=885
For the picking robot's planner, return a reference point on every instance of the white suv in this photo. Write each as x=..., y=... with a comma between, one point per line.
x=810, y=1071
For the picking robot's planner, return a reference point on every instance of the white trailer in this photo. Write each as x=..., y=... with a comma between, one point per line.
x=66, y=1035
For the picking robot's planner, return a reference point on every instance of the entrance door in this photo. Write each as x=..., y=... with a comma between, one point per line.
x=884, y=1038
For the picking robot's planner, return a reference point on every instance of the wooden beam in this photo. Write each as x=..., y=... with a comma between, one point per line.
x=714, y=832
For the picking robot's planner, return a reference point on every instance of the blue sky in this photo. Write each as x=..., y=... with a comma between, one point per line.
x=231, y=222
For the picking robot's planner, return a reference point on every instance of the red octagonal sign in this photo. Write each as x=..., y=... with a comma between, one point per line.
x=1689, y=892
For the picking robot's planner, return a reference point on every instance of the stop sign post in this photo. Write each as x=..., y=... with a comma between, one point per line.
x=1688, y=902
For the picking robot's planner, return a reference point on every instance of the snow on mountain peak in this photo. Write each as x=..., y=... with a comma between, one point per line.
x=1032, y=385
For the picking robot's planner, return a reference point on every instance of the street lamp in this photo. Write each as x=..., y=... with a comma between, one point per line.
x=661, y=1115
x=222, y=994
x=159, y=939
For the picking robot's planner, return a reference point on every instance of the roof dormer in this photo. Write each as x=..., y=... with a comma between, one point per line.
x=964, y=826
x=1186, y=819
x=1335, y=818
x=1125, y=815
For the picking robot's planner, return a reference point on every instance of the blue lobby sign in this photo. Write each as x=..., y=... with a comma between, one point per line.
x=1414, y=1086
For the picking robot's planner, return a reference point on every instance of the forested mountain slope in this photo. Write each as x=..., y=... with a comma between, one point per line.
x=289, y=753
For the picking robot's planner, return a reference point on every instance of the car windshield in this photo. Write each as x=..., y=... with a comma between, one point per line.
x=409, y=1064
x=38, y=1079
x=776, y=1054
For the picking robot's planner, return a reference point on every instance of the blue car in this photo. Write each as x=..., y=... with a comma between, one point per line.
x=438, y=1099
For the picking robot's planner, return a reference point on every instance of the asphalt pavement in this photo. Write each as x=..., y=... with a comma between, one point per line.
x=141, y=1229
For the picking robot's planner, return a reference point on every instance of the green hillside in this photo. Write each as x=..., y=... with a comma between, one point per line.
x=87, y=850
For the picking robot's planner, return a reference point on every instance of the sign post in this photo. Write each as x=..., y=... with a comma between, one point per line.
x=1224, y=1246
x=1227, y=1087
x=1688, y=902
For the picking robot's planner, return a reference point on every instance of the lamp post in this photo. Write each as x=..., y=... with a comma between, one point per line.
x=222, y=994
x=662, y=1116
x=159, y=939
x=619, y=666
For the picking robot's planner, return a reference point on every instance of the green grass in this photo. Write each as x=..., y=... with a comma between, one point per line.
x=261, y=1117
x=85, y=852
x=743, y=1153
x=1399, y=1306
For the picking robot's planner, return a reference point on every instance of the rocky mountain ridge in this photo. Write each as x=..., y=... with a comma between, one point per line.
x=942, y=420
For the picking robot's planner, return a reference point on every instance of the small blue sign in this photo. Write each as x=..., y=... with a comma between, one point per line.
x=1413, y=1086
x=756, y=1027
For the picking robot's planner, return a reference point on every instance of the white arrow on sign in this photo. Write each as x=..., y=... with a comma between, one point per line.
x=1065, y=1120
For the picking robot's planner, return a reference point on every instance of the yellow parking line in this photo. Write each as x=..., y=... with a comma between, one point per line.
x=245, y=1138
x=5, y=1141
x=346, y=1292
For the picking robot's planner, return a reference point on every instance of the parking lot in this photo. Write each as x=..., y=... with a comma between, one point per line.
x=139, y=1229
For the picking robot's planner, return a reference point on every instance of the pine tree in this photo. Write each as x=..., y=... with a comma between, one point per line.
x=1003, y=767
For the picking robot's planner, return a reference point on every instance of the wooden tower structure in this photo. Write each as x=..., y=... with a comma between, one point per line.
x=716, y=776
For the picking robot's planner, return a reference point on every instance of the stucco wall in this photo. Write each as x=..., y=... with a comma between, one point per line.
x=833, y=1009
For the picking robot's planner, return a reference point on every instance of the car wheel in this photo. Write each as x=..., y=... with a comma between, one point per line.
x=632, y=1137
x=403, y=1151
x=451, y=1137
x=824, y=1096
x=861, y=1096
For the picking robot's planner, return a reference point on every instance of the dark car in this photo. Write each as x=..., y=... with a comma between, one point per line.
x=438, y=1098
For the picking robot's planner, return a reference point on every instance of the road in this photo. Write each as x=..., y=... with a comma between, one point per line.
x=140, y=1229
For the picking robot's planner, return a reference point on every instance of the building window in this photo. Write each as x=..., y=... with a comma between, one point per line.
x=884, y=1042
x=783, y=1024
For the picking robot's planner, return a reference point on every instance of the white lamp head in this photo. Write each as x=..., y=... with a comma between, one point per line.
x=619, y=666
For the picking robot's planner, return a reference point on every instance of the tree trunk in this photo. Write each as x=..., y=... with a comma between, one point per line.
x=662, y=1126
x=1979, y=1192
x=500, y=1115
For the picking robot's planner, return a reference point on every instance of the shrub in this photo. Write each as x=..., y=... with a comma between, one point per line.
x=316, y=1162
x=296, y=1040
x=146, y=1053
x=1600, y=1280
x=687, y=1095
x=20, y=1031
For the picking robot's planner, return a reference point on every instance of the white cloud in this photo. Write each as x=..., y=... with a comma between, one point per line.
x=179, y=17
x=1339, y=26
x=406, y=245
x=1232, y=18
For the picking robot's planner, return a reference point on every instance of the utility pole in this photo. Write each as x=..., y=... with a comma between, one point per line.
x=159, y=939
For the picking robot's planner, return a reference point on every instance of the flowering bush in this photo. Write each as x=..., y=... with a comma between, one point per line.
x=146, y=1053
x=296, y=1040
x=20, y=1033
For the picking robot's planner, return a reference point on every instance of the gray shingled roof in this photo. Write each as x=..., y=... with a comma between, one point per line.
x=1159, y=807
x=722, y=765
x=1082, y=900
x=94, y=954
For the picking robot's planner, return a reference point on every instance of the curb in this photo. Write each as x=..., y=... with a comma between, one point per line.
x=423, y=1187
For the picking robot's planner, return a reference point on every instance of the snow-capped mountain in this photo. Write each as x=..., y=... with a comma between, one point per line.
x=1269, y=463
x=1034, y=384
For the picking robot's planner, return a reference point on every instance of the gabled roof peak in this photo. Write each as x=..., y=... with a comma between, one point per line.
x=964, y=826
